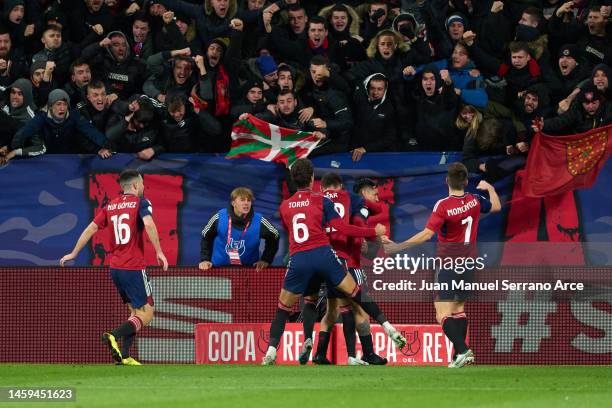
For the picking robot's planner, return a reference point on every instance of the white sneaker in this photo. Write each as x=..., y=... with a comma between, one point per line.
x=270, y=357
x=462, y=360
x=354, y=361
x=305, y=353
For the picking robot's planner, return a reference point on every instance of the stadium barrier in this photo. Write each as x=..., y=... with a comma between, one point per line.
x=56, y=315
x=246, y=343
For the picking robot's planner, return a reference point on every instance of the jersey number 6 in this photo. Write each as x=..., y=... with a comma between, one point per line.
x=300, y=230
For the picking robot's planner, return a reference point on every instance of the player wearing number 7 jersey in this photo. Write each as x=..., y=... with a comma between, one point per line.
x=127, y=215
x=305, y=215
x=455, y=219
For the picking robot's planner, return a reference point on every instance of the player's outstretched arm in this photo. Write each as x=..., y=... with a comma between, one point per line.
x=154, y=237
x=86, y=235
x=417, y=239
x=493, y=197
x=353, y=231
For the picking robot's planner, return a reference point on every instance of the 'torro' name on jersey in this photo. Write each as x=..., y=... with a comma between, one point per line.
x=299, y=204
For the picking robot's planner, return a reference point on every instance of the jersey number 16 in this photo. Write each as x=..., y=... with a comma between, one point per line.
x=122, y=230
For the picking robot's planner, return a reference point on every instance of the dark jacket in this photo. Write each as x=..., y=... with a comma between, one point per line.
x=44, y=135
x=161, y=79
x=123, y=78
x=434, y=117
x=18, y=69
x=121, y=139
x=62, y=56
x=181, y=137
x=575, y=120
x=208, y=24
x=375, y=120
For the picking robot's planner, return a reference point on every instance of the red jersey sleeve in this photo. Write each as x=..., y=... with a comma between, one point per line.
x=436, y=220
x=100, y=219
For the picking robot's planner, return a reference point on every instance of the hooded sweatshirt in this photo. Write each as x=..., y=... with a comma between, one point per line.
x=27, y=110
x=124, y=78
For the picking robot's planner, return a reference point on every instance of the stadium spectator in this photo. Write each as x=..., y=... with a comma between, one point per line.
x=375, y=118
x=96, y=107
x=332, y=111
x=135, y=128
x=141, y=40
x=590, y=111
x=232, y=235
x=571, y=72
x=176, y=33
x=436, y=104
x=59, y=130
x=56, y=50
x=252, y=102
x=343, y=24
x=376, y=20
x=592, y=38
x=91, y=20
x=181, y=127
x=41, y=77
x=13, y=64
x=20, y=101
x=175, y=76
x=490, y=139
x=80, y=77
x=465, y=78
x=389, y=55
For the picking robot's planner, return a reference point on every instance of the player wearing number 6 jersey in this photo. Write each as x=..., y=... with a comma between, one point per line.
x=455, y=219
x=305, y=215
x=127, y=215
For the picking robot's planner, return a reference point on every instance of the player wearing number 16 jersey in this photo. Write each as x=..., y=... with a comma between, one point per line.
x=305, y=215
x=127, y=215
x=455, y=219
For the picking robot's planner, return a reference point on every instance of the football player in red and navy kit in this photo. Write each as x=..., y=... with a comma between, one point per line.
x=455, y=219
x=350, y=207
x=305, y=215
x=127, y=215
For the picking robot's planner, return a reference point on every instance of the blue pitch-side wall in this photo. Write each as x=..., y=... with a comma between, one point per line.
x=44, y=204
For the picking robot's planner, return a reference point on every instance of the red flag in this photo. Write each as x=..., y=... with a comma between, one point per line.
x=563, y=163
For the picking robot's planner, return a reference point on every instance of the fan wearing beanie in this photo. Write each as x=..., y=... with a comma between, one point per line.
x=59, y=130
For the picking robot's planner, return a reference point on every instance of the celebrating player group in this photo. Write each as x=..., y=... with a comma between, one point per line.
x=327, y=231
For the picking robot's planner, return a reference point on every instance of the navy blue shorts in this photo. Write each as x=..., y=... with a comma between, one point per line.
x=450, y=293
x=306, y=265
x=134, y=287
x=360, y=279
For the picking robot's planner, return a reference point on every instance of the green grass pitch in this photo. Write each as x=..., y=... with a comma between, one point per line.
x=177, y=386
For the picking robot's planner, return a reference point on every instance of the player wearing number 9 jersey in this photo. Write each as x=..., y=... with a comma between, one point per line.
x=455, y=219
x=127, y=215
x=305, y=215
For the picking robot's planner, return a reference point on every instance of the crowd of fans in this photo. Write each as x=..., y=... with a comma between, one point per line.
x=478, y=76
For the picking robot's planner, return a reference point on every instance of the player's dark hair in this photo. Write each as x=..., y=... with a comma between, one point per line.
x=363, y=183
x=127, y=176
x=302, y=172
x=457, y=176
x=331, y=180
